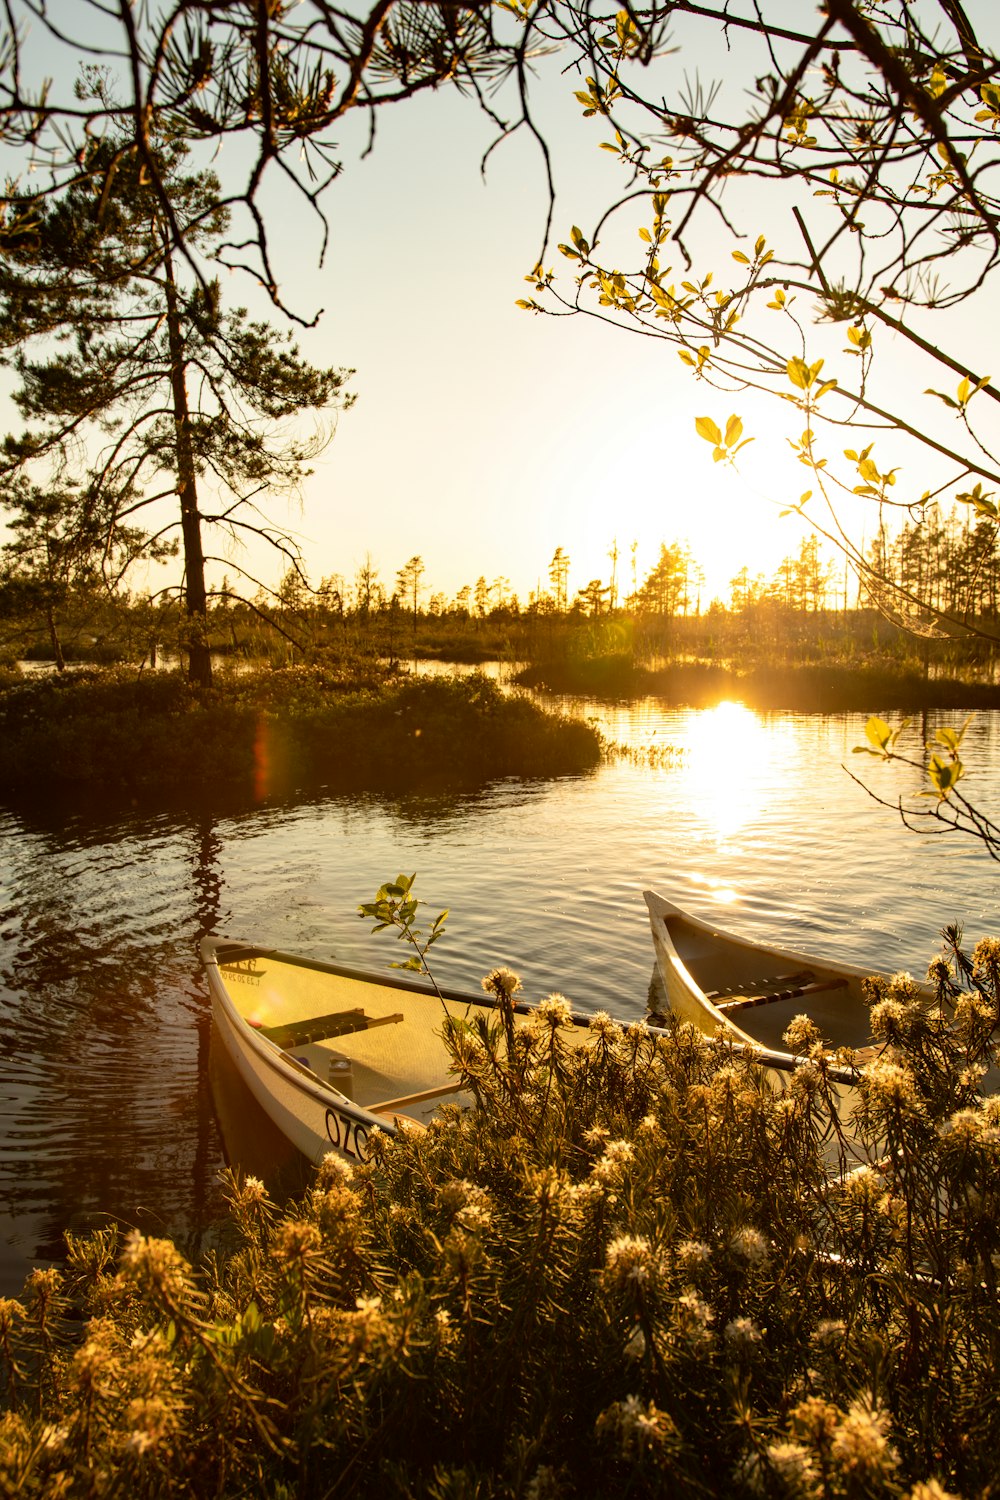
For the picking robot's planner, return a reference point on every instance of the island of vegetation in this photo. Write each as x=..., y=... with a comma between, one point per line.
x=271, y=734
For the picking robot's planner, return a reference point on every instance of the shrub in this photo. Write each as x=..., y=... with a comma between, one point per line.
x=267, y=734
x=624, y=1271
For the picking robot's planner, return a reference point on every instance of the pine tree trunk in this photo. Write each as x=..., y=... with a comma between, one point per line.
x=57, y=650
x=195, y=594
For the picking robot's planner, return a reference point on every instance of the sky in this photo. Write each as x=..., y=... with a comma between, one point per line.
x=483, y=437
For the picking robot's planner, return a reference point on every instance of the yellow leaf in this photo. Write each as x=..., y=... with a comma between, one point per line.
x=798, y=373
x=734, y=429
x=878, y=732
x=945, y=773
x=707, y=429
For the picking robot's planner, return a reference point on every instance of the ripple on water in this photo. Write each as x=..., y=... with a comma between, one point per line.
x=104, y=1097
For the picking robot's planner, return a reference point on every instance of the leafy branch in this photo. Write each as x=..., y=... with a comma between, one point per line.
x=394, y=907
x=950, y=812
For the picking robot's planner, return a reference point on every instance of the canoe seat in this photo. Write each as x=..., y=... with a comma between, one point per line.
x=321, y=1028
x=747, y=1002
x=760, y=986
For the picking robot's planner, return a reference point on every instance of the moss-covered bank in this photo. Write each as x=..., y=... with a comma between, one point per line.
x=272, y=733
x=812, y=687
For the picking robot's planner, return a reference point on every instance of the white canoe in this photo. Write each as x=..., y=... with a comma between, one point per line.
x=750, y=991
x=331, y=1052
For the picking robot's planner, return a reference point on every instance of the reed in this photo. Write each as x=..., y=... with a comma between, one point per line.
x=832, y=687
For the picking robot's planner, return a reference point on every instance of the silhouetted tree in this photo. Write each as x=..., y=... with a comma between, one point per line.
x=133, y=377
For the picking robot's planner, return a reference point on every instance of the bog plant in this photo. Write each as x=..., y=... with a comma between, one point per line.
x=267, y=734
x=625, y=1270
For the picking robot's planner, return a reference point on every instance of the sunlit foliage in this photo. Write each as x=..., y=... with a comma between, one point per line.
x=624, y=1270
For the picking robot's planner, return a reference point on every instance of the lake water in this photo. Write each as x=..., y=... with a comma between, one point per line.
x=106, y=1106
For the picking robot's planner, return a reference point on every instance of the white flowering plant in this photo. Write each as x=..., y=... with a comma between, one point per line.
x=628, y=1269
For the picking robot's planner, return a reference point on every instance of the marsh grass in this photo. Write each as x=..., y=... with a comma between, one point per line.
x=623, y=1272
x=271, y=733
x=814, y=687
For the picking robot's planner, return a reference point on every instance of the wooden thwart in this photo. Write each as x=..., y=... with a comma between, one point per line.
x=760, y=986
x=322, y=1028
x=388, y=1105
x=747, y=1002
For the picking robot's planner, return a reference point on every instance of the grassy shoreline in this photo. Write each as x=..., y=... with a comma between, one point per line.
x=273, y=733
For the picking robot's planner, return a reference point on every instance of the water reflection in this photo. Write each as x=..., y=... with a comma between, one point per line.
x=728, y=753
x=104, y=1099
x=105, y=1041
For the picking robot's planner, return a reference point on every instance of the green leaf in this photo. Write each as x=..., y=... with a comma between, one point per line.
x=945, y=774
x=952, y=738
x=879, y=733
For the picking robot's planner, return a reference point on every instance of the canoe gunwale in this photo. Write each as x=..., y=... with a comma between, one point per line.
x=786, y=1062
x=273, y=1056
x=660, y=907
x=226, y=950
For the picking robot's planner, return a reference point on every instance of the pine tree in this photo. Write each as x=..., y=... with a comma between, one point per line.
x=133, y=379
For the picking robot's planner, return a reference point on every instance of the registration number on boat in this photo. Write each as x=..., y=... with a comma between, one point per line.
x=347, y=1135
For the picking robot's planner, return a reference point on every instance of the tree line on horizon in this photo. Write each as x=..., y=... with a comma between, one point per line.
x=157, y=418
x=948, y=559
x=943, y=557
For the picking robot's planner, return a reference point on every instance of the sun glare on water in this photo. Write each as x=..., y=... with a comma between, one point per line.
x=729, y=751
